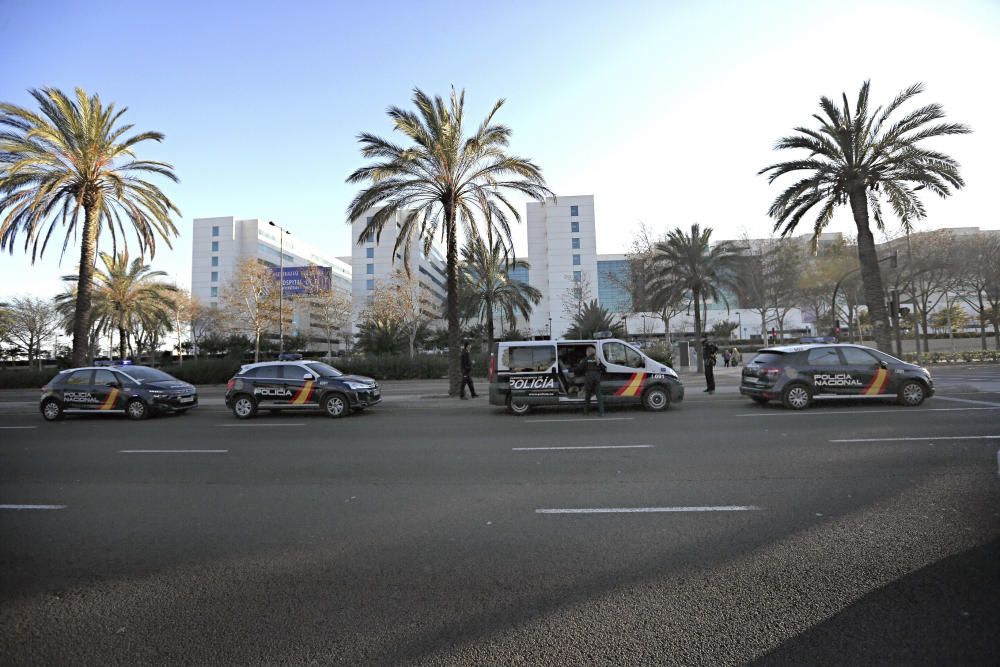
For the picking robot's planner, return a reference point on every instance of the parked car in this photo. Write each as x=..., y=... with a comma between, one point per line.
x=299, y=385
x=135, y=391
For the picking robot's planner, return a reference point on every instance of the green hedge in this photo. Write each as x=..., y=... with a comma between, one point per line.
x=968, y=356
x=204, y=371
x=15, y=378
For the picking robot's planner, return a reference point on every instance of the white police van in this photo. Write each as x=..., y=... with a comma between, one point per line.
x=524, y=374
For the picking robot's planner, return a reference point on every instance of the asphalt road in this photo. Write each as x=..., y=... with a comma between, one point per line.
x=429, y=531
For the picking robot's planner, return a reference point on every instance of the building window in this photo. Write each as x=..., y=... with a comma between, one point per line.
x=577, y=276
x=215, y=231
x=215, y=276
x=370, y=284
x=576, y=260
x=370, y=253
x=215, y=261
x=215, y=246
x=576, y=244
x=370, y=269
x=369, y=219
x=215, y=291
x=574, y=227
x=574, y=210
x=370, y=238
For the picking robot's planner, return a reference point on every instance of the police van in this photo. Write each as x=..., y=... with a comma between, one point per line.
x=525, y=374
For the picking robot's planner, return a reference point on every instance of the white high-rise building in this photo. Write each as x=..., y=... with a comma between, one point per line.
x=373, y=262
x=219, y=245
x=562, y=245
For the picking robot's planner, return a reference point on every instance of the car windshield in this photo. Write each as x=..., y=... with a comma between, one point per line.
x=323, y=370
x=144, y=374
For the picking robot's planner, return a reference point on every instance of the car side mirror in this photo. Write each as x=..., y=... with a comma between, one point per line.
x=111, y=384
x=882, y=364
x=309, y=376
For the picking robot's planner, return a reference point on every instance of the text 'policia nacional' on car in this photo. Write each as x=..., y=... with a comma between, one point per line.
x=794, y=374
x=525, y=374
x=135, y=391
x=299, y=385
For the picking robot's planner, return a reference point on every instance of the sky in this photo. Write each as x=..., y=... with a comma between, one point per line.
x=664, y=111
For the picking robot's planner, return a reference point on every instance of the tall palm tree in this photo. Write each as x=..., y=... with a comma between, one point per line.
x=592, y=319
x=126, y=295
x=75, y=157
x=689, y=264
x=441, y=179
x=861, y=158
x=486, y=284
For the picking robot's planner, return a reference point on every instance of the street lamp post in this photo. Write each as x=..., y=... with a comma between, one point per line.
x=550, y=328
x=281, y=286
x=739, y=322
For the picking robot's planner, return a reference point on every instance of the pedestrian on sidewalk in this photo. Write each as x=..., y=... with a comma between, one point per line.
x=591, y=368
x=737, y=358
x=708, y=352
x=466, y=373
x=726, y=356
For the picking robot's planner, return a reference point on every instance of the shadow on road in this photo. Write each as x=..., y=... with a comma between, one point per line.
x=906, y=621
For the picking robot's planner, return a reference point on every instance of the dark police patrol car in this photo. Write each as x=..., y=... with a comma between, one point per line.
x=794, y=374
x=135, y=391
x=298, y=385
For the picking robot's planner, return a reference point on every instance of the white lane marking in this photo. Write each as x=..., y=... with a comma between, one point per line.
x=173, y=451
x=254, y=425
x=898, y=410
x=579, y=419
x=633, y=510
x=948, y=437
x=16, y=427
x=538, y=449
x=32, y=507
x=967, y=400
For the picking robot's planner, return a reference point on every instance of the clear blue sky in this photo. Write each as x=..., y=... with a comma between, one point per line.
x=663, y=110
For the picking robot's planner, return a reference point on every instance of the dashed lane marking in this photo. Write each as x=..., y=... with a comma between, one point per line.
x=173, y=451
x=579, y=419
x=967, y=400
x=17, y=427
x=539, y=449
x=899, y=410
x=642, y=510
x=948, y=437
x=255, y=425
x=32, y=507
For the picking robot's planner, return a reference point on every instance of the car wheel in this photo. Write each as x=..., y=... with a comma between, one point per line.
x=52, y=410
x=516, y=407
x=655, y=399
x=336, y=405
x=760, y=400
x=912, y=393
x=136, y=409
x=244, y=407
x=796, y=397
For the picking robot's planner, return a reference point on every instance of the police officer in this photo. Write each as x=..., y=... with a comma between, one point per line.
x=708, y=352
x=591, y=368
x=466, y=372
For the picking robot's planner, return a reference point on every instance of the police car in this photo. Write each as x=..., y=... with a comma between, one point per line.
x=794, y=374
x=299, y=385
x=525, y=374
x=135, y=391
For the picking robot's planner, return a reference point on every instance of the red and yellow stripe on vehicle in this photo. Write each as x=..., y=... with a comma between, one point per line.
x=303, y=394
x=633, y=386
x=110, y=402
x=878, y=383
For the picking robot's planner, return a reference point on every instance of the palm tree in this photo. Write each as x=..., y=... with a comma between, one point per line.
x=441, y=179
x=862, y=158
x=592, y=319
x=689, y=264
x=73, y=157
x=127, y=295
x=486, y=284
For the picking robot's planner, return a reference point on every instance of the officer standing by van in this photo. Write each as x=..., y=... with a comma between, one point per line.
x=466, y=372
x=708, y=352
x=591, y=368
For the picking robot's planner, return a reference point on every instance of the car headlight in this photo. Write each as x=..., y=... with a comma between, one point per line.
x=156, y=393
x=357, y=386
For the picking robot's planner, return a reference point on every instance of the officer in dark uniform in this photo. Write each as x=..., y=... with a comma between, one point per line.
x=708, y=352
x=591, y=368
x=466, y=372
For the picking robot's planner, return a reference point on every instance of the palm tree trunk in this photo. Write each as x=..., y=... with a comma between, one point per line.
x=871, y=274
x=122, y=342
x=697, y=329
x=85, y=285
x=454, y=324
x=489, y=324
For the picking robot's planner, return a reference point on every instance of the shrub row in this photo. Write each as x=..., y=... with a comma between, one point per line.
x=25, y=379
x=968, y=356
